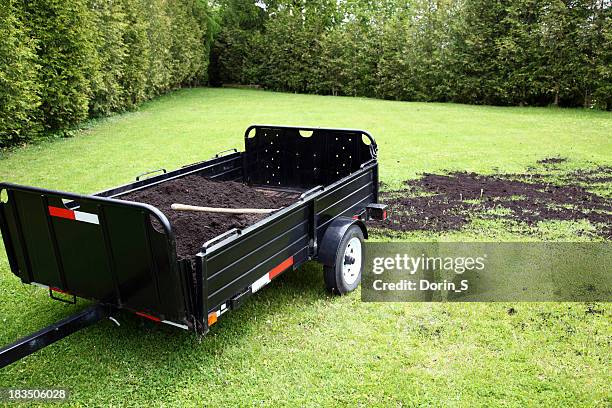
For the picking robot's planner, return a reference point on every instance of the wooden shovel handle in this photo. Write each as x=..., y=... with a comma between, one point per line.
x=185, y=207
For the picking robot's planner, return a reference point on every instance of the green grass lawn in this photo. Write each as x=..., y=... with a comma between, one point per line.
x=293, y=343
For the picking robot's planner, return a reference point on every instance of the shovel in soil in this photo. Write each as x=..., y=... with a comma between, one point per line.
x=185, y=207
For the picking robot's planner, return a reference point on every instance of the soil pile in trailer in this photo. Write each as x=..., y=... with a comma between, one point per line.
x=192, y=229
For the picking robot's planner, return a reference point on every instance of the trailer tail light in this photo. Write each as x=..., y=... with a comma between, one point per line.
x=377, y=211
x=274, y=272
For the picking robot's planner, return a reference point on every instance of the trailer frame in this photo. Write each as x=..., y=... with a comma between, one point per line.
x=336, y=171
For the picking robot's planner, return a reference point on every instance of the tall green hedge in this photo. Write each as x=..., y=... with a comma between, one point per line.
x=500, y=52
x=19, y=86
x=64, y=61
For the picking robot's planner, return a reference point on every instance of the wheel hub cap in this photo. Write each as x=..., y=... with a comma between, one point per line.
x=352, y=261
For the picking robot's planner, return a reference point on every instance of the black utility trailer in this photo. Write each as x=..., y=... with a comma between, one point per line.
x=122, y=254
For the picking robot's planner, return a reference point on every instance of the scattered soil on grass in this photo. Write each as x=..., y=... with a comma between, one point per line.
x=590, y=177
x=448, y=202
x=552, y=160
x=192, y=229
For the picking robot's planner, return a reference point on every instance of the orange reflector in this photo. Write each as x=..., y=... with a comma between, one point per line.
x=212, y=318
x=280, y=267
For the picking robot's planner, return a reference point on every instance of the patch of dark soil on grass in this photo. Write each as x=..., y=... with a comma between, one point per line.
x=552, y=160
x=598, y=175
x=587, y=178
x=192, y=229
x=448, y=202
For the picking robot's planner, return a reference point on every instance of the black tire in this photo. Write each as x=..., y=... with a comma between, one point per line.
x=335, y=281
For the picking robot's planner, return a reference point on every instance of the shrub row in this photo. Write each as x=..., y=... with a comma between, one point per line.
x=64, y=61
x=519, y=52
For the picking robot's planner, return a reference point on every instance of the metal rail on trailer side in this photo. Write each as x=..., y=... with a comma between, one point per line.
x=128, y=249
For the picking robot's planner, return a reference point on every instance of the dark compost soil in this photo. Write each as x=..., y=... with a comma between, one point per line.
x=552, y=160
x=448, y=202
x=192, y=229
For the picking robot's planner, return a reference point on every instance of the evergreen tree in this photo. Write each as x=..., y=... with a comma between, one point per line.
x=19, y=86
x=66, y=57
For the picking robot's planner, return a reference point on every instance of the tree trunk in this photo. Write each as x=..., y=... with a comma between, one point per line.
x=587, y=99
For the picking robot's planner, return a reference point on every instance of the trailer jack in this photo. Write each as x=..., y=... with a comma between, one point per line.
x=52, y=333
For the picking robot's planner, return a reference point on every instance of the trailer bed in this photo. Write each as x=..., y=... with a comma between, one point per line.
x=193, y=229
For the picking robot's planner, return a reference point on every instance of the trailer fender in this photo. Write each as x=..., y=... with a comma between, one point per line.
x=332, y=237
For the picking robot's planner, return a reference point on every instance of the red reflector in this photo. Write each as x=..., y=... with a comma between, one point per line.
x=280, y=267
x=384, y=214
x=59, y=290
x=147, y=316
x=355, y=217
x=61, y=213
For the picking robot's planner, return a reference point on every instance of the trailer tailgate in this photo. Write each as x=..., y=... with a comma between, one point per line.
x=113, y=251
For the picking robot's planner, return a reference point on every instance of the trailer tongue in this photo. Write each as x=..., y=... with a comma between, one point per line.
x=50, y=334
x=122, y=254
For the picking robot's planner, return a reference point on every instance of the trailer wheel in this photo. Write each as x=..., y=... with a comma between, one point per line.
x=345, y=275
